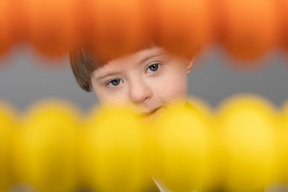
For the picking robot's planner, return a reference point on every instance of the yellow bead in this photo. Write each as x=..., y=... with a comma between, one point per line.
x=7, y=123
x=200, y=105
x=44, y=147
x=181, y=149
x=112, y=148
x=248, y=126
x=283, y=144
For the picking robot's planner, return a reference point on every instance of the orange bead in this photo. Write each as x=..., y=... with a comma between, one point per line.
x=52, y=25
x=250, y=27
x=283, y=17
x=184, y=26
x=286, y=24
x=18, y=20
x=116, y=27
x=5, y=35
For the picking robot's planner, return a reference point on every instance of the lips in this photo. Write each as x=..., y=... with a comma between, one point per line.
x=151, y=115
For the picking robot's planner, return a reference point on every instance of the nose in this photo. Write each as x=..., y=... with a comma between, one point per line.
x=139, y=91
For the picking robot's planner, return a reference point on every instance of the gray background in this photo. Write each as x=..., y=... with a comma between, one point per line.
x=26, y=77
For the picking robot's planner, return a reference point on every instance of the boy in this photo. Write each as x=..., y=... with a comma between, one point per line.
x=148, y=79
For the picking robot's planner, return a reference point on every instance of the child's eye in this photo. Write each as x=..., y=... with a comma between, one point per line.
x=114, y=82
x=152, y=68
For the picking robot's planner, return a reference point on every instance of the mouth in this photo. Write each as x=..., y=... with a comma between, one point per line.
x=152, y=114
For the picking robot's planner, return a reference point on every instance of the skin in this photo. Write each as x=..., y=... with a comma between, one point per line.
x=148, y=79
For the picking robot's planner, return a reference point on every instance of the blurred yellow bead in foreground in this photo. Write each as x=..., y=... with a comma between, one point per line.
x=180, y=149
x=201, y=105
x=6, y=125
x=43, y=147
x=283, y=144
x=248, y=127
x=112, y=148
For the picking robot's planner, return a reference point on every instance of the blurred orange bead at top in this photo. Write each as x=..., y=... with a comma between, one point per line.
x=52, y=25
x=184, y=26
x=5, y=33
x=250, y=27
x=283, y=16
x=116, y=27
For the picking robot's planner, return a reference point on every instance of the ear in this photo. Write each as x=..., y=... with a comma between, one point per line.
x=190, y=64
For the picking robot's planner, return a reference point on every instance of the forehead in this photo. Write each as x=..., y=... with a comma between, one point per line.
x=132, y=59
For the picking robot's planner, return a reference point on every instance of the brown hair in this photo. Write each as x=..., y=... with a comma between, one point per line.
x=84, y=61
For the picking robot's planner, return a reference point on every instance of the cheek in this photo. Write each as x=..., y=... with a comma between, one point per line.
x=109, y=97
x=172, y=86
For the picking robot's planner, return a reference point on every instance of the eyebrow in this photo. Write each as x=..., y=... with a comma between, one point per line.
x=102, y=77
x=150, y=57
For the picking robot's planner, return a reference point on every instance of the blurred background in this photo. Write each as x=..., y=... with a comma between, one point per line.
x=26, y=77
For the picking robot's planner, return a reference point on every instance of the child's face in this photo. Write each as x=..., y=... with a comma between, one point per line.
x=148, y=79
